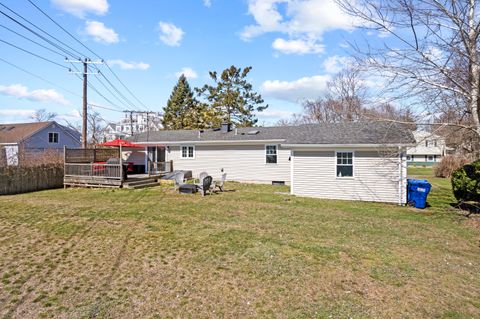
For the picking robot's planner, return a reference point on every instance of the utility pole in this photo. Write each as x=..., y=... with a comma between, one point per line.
x=85, y=73
x=84, y=108
x=131, y=123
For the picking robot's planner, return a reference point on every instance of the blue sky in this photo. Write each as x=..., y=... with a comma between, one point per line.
x=294, y=47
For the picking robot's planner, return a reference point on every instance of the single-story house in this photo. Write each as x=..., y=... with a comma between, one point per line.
x=352, y=161
x=23, y=142
x=429, y=149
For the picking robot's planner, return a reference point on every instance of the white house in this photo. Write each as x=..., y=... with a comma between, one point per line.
x=137, y=123
x=428, y=150
x=353, y=161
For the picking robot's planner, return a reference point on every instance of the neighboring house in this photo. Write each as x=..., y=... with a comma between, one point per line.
x=353, y=161
x=137, y=123
x=429, y=149
x=26, y=141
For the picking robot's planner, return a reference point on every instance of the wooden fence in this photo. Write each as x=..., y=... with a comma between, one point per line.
x=17, y=179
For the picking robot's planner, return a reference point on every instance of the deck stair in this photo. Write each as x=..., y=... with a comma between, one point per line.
x=136, y=183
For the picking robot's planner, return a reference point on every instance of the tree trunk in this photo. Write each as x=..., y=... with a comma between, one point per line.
x=474, y=69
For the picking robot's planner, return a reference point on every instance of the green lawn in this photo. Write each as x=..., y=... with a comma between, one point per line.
x=250, y=252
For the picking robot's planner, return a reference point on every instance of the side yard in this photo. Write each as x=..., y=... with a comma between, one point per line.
x=250, y=252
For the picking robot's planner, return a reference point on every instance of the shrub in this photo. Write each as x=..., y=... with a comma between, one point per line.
x=448, y=165
x=466, y=182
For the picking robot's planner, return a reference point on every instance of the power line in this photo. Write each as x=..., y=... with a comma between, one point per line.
x=117, y=90
x=82, y=44
x=104, y=107
x=92, y=87
x=39, y=77
x=26, y=38
x=126, y=88
x=108, y=89
x=69, y=53
x=34, y=54
x=65, y=30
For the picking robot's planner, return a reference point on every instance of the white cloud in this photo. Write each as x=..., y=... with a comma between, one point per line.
x=129, y=65
x=297, y=90
x=188, y=72
x=101, y=33
x=311, y=17
x=41, y=95
x=80, y=7
x=207, y=3
x=170, y=34
x=272, y=114
x=16, y=113
x=70, y=116
x=297, y=46
x=299, y=19
x=336, y=63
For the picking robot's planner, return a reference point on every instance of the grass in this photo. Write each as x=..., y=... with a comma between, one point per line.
x=249, y=252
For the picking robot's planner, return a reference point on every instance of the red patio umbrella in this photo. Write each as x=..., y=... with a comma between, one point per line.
x=119, y=142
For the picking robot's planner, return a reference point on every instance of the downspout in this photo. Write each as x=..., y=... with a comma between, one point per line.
x=291, y=171
x=400, y=175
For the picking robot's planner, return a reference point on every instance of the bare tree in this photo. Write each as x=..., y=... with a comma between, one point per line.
x=96, y=126
x=429, y=53
x=348, y=100
x=42, y=115
x=347, y=93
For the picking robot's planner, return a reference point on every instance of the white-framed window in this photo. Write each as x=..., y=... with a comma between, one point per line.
x=344, y=163
x=271, y=156
x=188, y=151
x=409, y=158
x=53, y=137
x=430, y=158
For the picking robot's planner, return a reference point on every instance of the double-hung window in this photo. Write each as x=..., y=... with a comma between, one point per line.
x=271, y=154
x=188, y=151
x=53, y=137
x=344, y=164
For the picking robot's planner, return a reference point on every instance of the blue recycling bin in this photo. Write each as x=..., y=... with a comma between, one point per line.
x=417, y=192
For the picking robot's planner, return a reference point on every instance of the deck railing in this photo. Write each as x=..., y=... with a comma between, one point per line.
x=160, y=167
x=94, y=170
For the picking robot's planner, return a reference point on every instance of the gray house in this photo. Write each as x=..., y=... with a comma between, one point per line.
x=352, y=161
x=28, y=141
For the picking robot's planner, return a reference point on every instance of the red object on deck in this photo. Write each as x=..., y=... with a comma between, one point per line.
x=119, y=142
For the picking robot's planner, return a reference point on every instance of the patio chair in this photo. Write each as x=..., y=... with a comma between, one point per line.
x=220, y=183
x=201, y=177
x=206, y=183
x=179, y=179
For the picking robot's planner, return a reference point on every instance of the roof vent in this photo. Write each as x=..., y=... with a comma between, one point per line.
x=226, y=127
x=255, y=132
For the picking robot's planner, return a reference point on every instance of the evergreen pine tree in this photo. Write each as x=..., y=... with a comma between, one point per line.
x=232, y=97
x=180, y=106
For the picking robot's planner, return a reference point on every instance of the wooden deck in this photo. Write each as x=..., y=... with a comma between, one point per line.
x=105, y=168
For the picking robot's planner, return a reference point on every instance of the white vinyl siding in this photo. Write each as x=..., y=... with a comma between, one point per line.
x=376, y=176
x=243, y=163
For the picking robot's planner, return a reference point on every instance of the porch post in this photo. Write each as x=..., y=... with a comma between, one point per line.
x=121, y=164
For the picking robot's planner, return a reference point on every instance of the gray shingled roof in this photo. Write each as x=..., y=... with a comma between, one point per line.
x=374, y=132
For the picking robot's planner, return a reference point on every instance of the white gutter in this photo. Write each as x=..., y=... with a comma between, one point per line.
x=220, y=142
x=341, y=145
